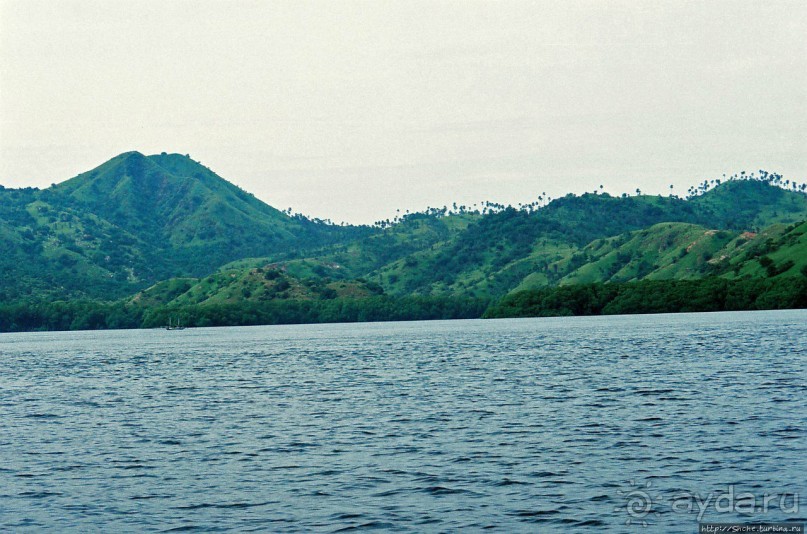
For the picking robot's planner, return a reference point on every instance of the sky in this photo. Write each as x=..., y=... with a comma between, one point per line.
x=352, y=110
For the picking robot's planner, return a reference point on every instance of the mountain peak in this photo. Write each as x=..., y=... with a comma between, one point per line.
x=127, y=157
x=174, y=201
x=146, y=174
x=179, y=164
x=171, y=156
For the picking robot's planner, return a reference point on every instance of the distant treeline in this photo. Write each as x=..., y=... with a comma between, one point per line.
x=647, y=296
x=88, y=315
x=655, y=296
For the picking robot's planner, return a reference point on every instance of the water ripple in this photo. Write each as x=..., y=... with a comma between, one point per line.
x=512, y=425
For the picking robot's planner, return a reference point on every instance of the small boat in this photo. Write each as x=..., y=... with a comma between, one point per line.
x=176, y=326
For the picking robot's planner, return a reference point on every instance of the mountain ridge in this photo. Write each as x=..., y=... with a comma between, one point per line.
x=136, y=220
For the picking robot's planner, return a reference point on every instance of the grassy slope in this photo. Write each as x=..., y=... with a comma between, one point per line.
x=781, y=244
x=271, y=282
x=684, y=251
x=341, y=268
x=361, y=258
x=60, y=251
x=518, y=249
x=663, y=251
x=750, y=205
x=574, y=239
x=177, y=204
x=135, y=220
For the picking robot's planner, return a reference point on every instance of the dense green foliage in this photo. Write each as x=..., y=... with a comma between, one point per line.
x=136, y=220
x=88, y=315
x=647, y=296
x=525, y=248
x=656, y=296
x=141, y=237
x=74, y=315
x=685, y=251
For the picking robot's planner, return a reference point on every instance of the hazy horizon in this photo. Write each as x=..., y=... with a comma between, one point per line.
x=352, y=110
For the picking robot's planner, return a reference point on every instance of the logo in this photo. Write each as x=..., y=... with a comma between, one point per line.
x=642, y=505
x=638, y=504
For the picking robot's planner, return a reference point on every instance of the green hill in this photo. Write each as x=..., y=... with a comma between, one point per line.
x=750, y=205
x=176, y=203
x=528, y=248
x=662, y=251
x=415, y=233
x=47, y=250
x=779, y=251
x=270, y=282
x=170, y=224
x=472, y=255
x=138, y=219
x=679, y=251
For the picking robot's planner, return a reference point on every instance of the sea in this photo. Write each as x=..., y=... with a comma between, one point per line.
x=643, y=423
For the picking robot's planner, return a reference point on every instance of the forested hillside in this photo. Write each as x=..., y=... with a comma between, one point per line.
x=136, y=220
x=150, y=235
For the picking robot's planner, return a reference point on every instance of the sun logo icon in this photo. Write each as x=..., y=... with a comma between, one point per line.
x=638, y=503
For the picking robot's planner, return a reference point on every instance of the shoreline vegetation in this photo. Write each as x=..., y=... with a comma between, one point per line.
x=141, y=240
x=640, y=297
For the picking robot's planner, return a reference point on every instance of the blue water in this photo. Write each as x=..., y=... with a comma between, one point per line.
x=518, y=425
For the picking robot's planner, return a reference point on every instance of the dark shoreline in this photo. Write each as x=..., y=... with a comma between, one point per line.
x=643, y=297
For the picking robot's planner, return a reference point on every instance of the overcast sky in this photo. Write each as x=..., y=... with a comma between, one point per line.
x=349, y=110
